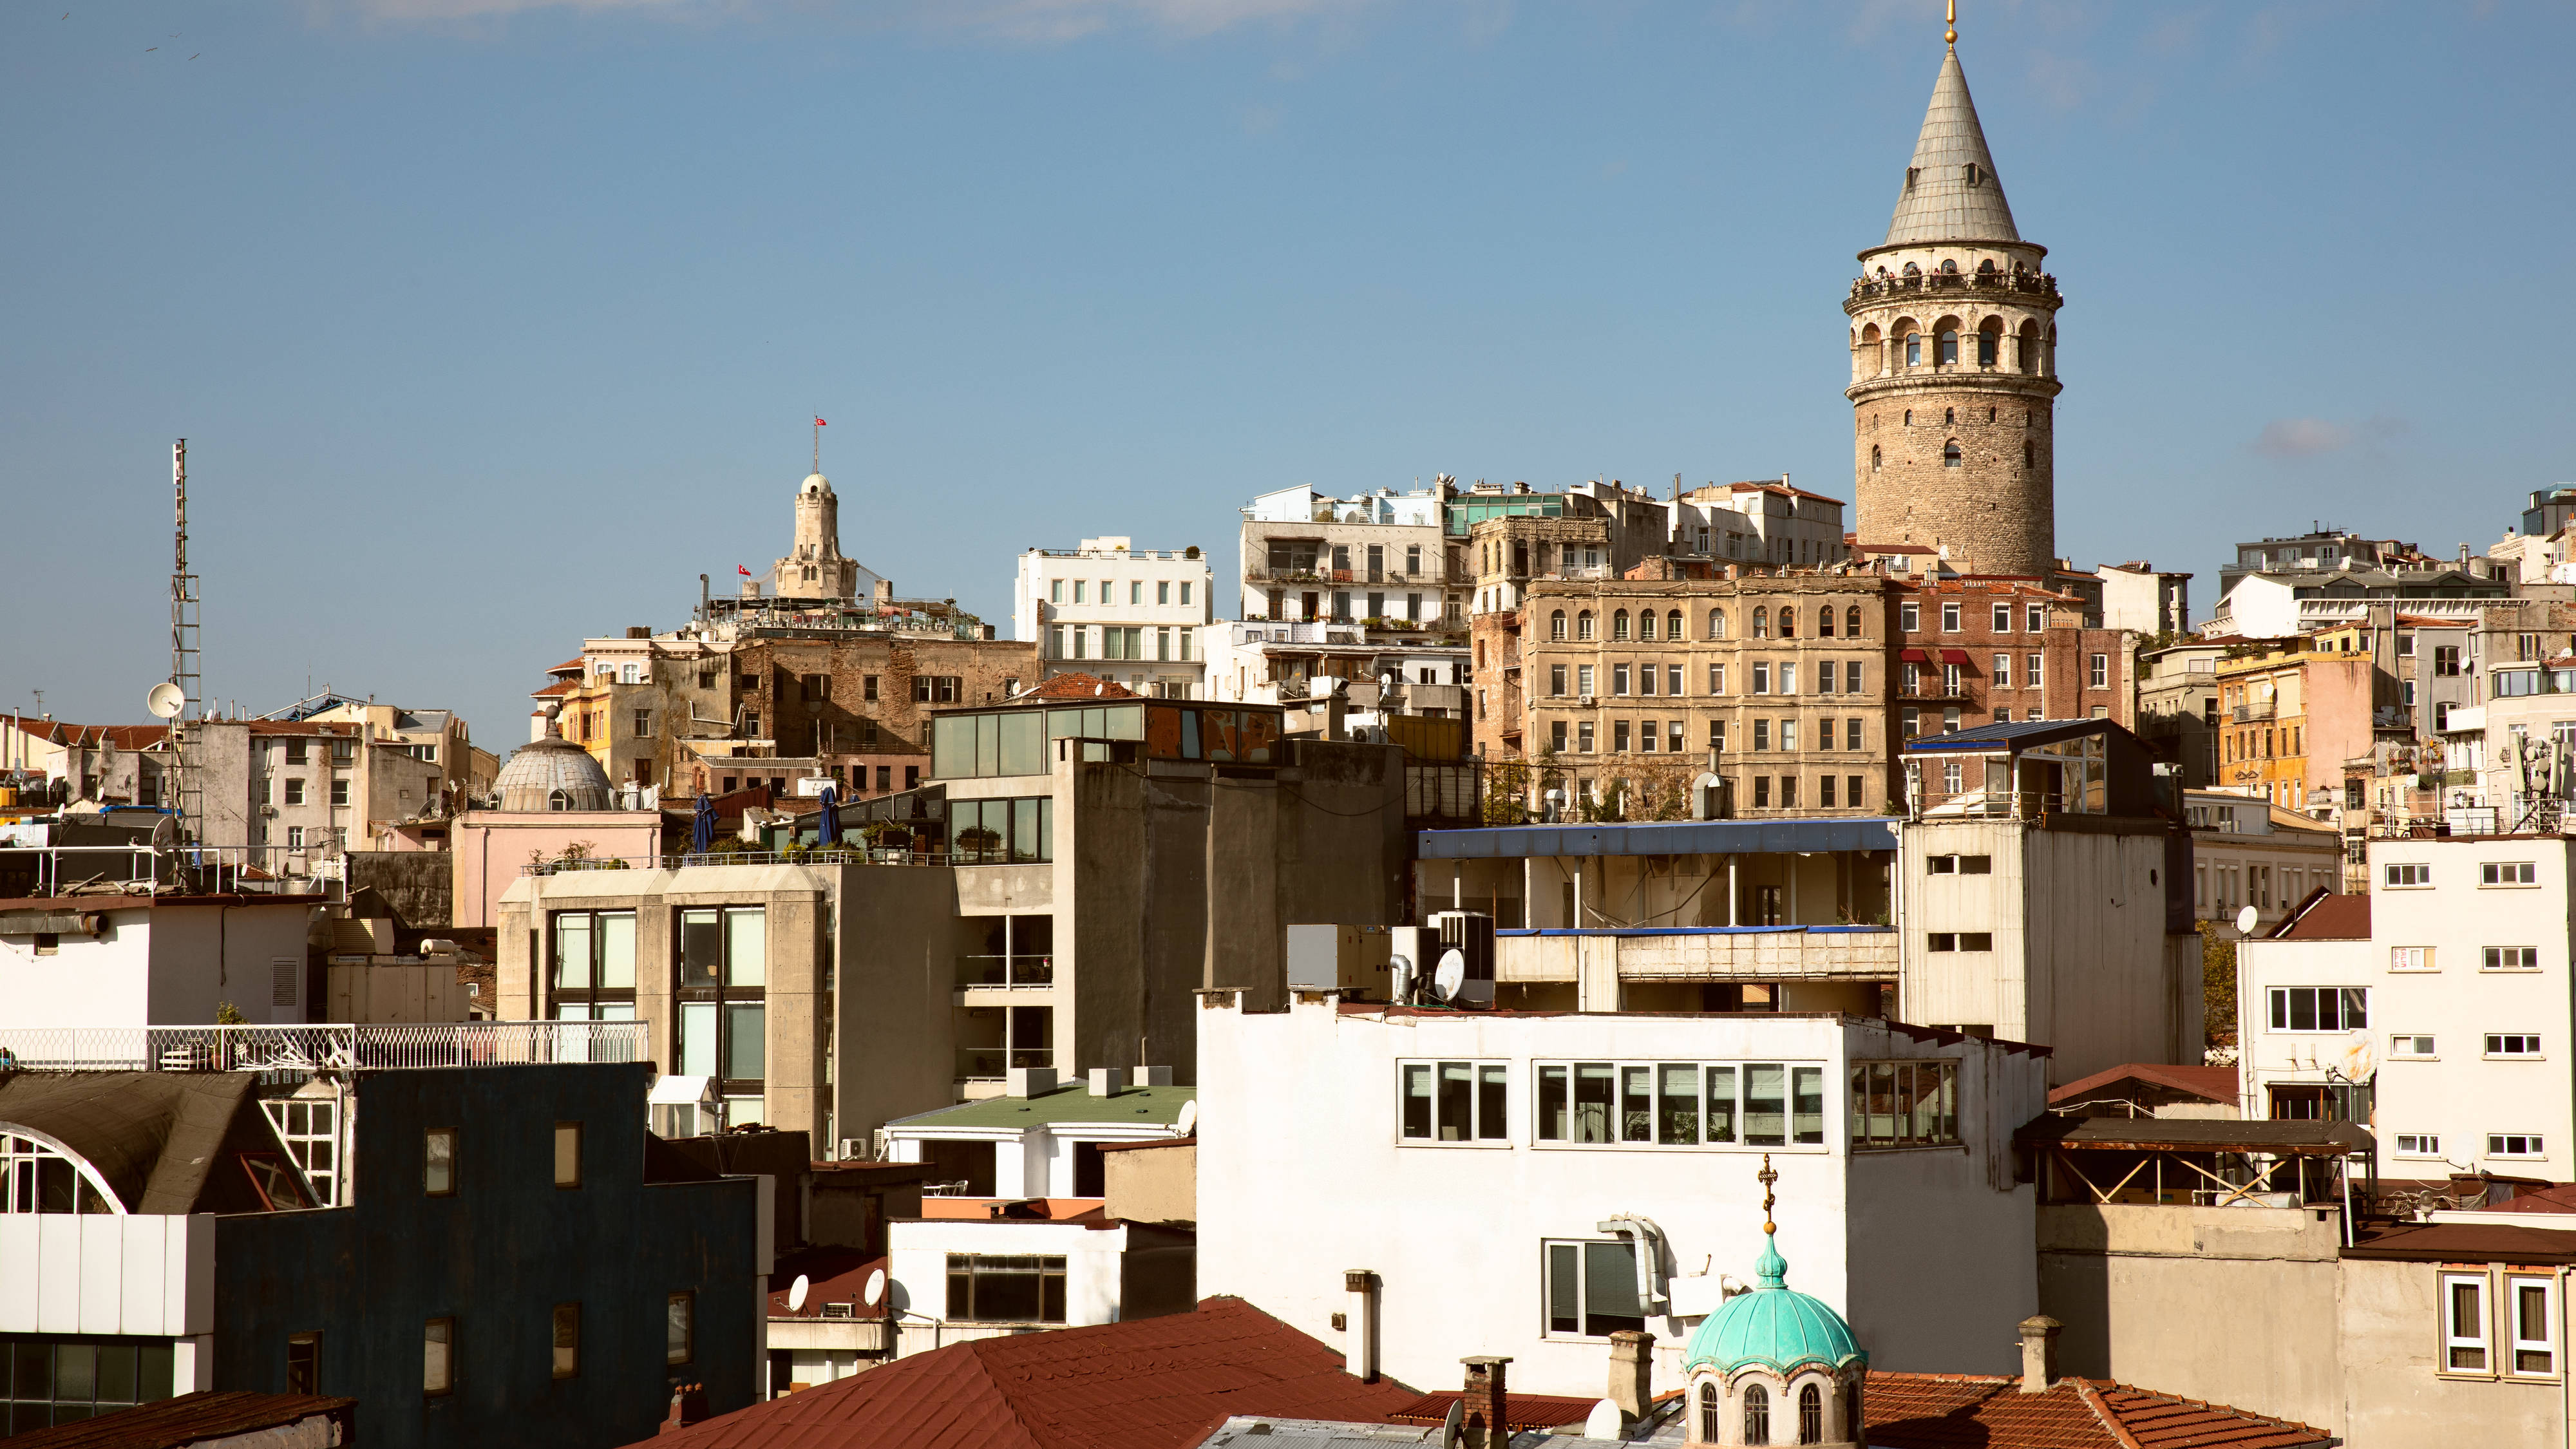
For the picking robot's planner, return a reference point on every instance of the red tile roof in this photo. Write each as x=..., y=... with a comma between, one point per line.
x=1939, y=1411
x=2216, y=1084
x=1525, y=1411
x=1082, y=686
x=1154, y=1383
x=2328, y=918
x=187, y=1419
x=54, y=731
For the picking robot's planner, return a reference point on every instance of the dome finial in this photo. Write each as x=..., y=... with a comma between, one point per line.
x=1770, y=1270
x=1951, y=36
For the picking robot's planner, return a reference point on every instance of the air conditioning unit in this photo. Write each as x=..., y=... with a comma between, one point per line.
x=268, y=810
x=1590, y=701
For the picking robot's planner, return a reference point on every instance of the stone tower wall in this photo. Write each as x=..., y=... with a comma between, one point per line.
x=1994, y=509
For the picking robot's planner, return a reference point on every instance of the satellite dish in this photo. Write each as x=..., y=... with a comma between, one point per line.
x=1604, y=1422
x=874, y=1293
x=2359, y=1059
x=2245, y=920
x=1455, y=1426
x=796, y=1292
x=165, y=700
x=1450, y=974
x=1189, y=1119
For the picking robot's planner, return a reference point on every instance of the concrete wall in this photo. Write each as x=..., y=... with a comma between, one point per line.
x=917, y=1270
x=2393, y=1388
x=497, y=1256
x=419, y=885
x=1152, y=1183
x=394, y=993
x=2233, y=1305
x=145, y=1275
x=896, y=943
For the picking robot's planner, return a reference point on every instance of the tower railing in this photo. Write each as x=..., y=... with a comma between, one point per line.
x=2033, y=283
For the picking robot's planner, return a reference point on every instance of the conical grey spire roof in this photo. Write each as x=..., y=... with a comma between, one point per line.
x=1951, y=193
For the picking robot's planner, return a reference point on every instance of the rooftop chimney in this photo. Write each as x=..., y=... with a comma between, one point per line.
x=2038, y=1353
x=1632, y=1371
x=688, y=1406
x=1108, y=1081
x=1359, y=1344
x=1485, y=1424
x=1028, y=1081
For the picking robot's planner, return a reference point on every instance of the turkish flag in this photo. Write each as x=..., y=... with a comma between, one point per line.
x=818, y=422
x=746, y=573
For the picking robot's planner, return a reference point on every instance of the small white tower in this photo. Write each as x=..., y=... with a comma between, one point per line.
x=814, y=567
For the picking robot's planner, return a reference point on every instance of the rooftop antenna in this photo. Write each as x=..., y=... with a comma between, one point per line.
x=184, y=667
x=819, y=425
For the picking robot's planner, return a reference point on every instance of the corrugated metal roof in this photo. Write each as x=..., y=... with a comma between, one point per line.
x=1136, y=1106
x=1660, y=837
x=187, y=1419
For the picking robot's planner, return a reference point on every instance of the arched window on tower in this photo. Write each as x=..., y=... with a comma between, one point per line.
x=1811, y=1415
x=2027, y=350
x=1949, y=416
x=1619, y=624
x=1873, y=457
x=1909, y=417
x=2029, y=454
x=1583, y=625
x=1986, y=268
x=1556, y=625
x=1913, y=349
x=1946, y=333
x=1949, y=268
x=1757, y=1415
x=1990, y=341
x=1950, y=454
x=1717, y=623
x=1711, y=1416
x=1912, y=270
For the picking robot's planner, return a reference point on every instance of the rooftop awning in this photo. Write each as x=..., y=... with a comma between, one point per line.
x=1954, y=656
x=1915, y=655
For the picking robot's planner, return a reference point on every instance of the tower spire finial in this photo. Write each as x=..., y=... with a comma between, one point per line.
x=1951, y=16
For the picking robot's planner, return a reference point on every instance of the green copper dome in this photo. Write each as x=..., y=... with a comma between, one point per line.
x=1774, y=1325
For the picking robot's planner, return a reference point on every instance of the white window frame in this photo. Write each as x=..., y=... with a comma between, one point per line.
x=2535, y=1146
x=1476, y=1072
x=2277, y=1010
x=1582, y=1259
x=2449, y=1323
x=2411, y=958
x=1739, y=1138
x=2402, y=875
x=2417, y=1144
x=2510, y=1326
x=2414, y=1046
x=2513, y=1046
x=2507, y=874
x=2494, y=958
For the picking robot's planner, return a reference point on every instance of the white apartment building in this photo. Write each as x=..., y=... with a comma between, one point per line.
x=2247, y=851
x=1765, y=521
x=1534, y=1182
x=1125, y=614
x=2138, y=596
x=2436, y=1009
x=1309, y=556
x=1258, y=661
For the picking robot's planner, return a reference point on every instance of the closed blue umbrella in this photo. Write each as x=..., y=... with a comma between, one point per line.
x=827, y=830
x=702, y=826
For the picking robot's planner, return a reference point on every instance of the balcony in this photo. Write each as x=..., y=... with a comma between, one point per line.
x=310, y=1049
x=2245, y=713
x=2034, y=284
x=1004, y=973
x=1724, y=953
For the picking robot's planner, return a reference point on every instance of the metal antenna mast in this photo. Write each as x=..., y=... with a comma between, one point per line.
x=184, y=669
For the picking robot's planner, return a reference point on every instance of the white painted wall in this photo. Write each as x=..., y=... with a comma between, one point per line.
x=143, y=1275
x=2462, y=1093
x=917, y=1270
x=155, y=965
x=1302, y=1175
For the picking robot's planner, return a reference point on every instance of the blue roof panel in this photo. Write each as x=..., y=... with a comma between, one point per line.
x=1659, y=837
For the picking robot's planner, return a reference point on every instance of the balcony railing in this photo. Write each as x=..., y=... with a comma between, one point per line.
x=991, y=1064
x=1005, y=972
x=319, y=1047
x=2039, y=284
x=2246, y=712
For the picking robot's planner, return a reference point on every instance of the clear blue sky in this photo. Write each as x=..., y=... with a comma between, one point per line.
x=493, y=323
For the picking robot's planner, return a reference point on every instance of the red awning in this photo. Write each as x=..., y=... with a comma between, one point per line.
x=1954, y=656
x=1915, y=655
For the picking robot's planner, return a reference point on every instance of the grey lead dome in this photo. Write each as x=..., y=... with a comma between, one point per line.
x=553, y=774
x=1951, y=192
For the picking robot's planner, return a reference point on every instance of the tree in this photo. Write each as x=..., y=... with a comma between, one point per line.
x=2217, y=984
x=1506, y=793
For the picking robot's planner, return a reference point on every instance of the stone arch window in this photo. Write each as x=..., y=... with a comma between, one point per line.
x=1673, y=626
x=1825, y=622
x=1949, y=416
x=1851, y=622
x=1909, y=417
x=1811, y=1400
x=1990, y=341
x=1946, y=337
x=1761, y=623
x=1646, y=625
x=1717, y=623
x=1788, y=622
x=1949, y=268
x=1950, y=454
x=1912, y=270
x=1990, y=412
x=559, y=800
x=1757, y=1415
x=1873, y=457
x=2029, y=349
x=1619, y=625
x=1985, y=268
x=1712, y=1416
x=1556, y=625
x=1974, y=175
x=1583, y=625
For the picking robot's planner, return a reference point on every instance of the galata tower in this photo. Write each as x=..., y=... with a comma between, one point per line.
x=1954, y=361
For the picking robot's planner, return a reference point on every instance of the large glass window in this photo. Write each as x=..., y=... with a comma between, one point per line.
x=594, y=965
x=48, y=1379
x=1592, y=1288
x=34, y=1178
x=723, y=1016
x=1455, y=1101
x=1005, y=1288
x=1001, y=832
x=2320, y=1008
x=1684, y=1104
x=1904, y=1104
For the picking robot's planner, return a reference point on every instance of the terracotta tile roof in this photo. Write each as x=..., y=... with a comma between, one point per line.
x=1939, y=1411
x=1154, y=1383
x=54, y=731
x=1525, y=1411
x=1081, y=686
x=574, y=665
x=2216, y=1084
x=561, y=686
x=187, y=1419
x=2328, y=918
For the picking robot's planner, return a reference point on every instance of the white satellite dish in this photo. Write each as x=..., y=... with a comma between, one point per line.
x=796, y=1292
x=1604, y=1422
x=1450, y=974
x=875, y=1291
x=2245, y=920
x=2359, y=1059
x=165, y=700
x=1189, y=1119
x=1455, y=1426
